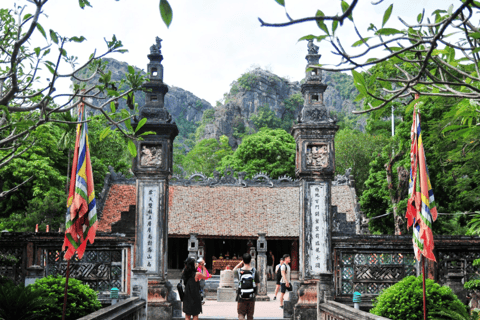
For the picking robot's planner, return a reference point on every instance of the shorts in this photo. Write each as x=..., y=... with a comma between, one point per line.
x=245, y=307
x=278, y=281
x=283, y=287
x=270, y=269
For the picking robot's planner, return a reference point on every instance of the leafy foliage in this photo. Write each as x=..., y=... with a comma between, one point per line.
x=206, y=155
x=81, y=300
x=23, y=303
x=269, y=150
x=355, y=149
x=404, y=300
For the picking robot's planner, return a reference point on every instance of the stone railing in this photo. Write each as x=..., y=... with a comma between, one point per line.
x=332, y=310
x=129, y=309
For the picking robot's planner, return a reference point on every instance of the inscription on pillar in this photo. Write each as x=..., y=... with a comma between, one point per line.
x=319, y=225
x=150, y=218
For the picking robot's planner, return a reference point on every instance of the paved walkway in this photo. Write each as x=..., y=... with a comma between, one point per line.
x=263, y=309
x=228, y=310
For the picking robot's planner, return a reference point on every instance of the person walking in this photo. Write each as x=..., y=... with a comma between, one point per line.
x=247, y=287
x=192, y=300
x=270, y=264
x=285, y=281
x=278, y=276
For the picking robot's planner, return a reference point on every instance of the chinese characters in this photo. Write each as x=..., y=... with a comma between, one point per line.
x=150, y=217
x=318, y=215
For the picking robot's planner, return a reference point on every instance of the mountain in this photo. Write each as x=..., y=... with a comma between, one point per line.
x=257, y=98
x=186, y=108
x=257, y=89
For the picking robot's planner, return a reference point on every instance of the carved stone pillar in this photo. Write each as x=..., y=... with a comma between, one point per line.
x=315, y=167
x=262, y=268
x=201, y=249
x=193, y=246
x=152, y=166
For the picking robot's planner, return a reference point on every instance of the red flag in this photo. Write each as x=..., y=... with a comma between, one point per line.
x=81, y=217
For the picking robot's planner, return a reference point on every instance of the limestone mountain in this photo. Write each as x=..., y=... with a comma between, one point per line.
x=186, y=108
x=260, y=97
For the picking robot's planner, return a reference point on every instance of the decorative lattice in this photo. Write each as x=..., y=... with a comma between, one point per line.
x=458, y=262
x=10, y=269
x=371, y=272
x=96, y=268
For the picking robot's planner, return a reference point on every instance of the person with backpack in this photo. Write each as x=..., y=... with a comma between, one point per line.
x=278, y=276
x=247, y=287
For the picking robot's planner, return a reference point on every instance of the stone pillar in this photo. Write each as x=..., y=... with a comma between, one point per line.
x=315, y=167
x=152, y=167
x=193, y=246
x=33, y=273
x=262, y=268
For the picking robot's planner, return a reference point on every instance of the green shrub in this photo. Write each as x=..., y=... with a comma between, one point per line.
x=21, y=303
x=404, y=301
x=81, y=300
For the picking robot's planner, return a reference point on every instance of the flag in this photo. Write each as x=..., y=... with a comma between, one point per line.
x=421, y=208
x=81, y=217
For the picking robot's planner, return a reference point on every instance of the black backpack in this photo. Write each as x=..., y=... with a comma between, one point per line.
x=279, y=273
x=246, y=284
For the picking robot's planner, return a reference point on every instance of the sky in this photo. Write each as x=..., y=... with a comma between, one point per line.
x=210, y=43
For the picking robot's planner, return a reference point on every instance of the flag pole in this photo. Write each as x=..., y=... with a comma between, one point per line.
x=424, y=295
x=66, y=290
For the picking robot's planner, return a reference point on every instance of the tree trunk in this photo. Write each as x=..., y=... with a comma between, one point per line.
x=394, y=193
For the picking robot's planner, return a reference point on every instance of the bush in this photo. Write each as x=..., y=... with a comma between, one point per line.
x=81, y=300
x=404, y=301
x=21, y=303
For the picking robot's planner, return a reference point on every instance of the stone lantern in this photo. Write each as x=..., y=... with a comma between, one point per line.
x=193, y=246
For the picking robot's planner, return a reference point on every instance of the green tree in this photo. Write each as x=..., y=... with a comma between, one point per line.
x=206, y=155
x=82, y=300
x=271, y=151
x=265, y=118
x=404, y=301
x=355, y=149
x=23, y=92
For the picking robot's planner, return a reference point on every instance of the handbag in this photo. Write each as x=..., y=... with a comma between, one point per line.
x=181, y=293
x=290, y=287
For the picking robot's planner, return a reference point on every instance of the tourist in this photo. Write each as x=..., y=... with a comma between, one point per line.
x=278, y=276
x=192, y=301
x=270, y=264
x=247, y=287
x=285, y=281
x=200, y=265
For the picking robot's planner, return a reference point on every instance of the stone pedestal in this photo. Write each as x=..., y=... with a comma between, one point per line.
x=454, y=281
x=226, y=291
x=33, y=273
x=262, y=268
x=139, y=285
x=158, y=306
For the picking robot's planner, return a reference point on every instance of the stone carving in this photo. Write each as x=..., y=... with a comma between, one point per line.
x=263, y=177
x=151, y=157
x=316, y=115
x=343, y=179
x=259, y=180
x=155, y=49
x=312, y=49
x=317, y=156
